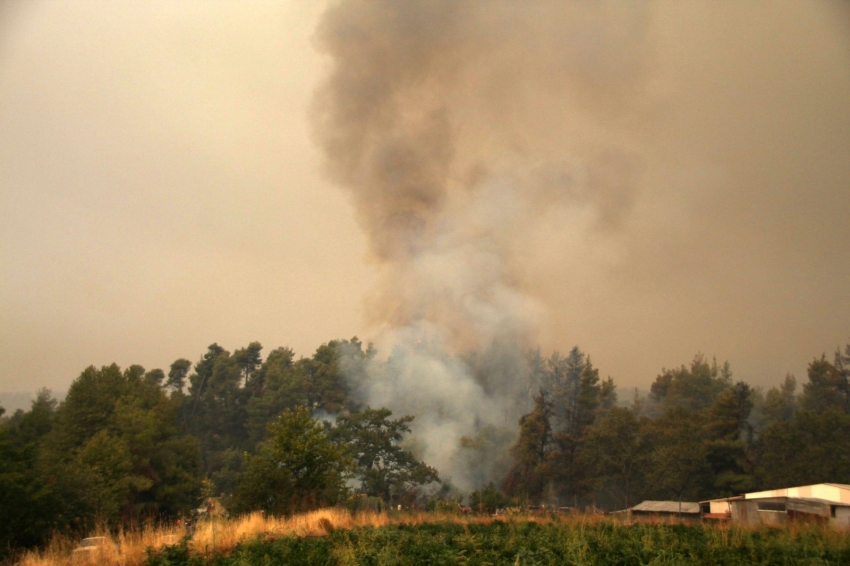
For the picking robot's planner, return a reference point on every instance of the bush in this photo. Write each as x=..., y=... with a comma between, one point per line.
x=447, y=507
x=488, y=499
x=365, y=504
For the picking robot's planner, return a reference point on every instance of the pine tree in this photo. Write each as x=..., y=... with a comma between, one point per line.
x=530, y=474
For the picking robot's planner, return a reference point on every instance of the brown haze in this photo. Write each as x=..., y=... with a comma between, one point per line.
x=646, y=180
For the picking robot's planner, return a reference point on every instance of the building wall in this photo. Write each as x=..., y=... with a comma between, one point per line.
x=720, y=506
x=748, y=513
x=841, y=518
x=780, y=510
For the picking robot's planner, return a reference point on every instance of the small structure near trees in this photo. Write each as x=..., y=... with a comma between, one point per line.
x=653, y=510
x=781, y=510
x=826, y=503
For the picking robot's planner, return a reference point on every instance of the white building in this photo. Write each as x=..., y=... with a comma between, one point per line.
x=827, y=502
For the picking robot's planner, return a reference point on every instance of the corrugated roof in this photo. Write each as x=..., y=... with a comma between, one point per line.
x=808, y=499
x=667, y=507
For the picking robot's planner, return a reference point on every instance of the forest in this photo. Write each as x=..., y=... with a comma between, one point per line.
x=286, y=435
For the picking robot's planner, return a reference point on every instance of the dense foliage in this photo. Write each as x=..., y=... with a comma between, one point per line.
x=297, y=469
x=282, y=434
x=698, y=435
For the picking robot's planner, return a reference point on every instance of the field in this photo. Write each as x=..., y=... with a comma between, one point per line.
x=335, y=537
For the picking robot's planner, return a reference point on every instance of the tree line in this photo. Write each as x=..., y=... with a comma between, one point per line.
x=131, y=445
x=284, y=435
x=698, y=435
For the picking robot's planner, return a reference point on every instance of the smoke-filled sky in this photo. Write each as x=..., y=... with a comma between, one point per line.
x=644, y=180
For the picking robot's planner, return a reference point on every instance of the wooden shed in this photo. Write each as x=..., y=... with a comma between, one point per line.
x=676, y=510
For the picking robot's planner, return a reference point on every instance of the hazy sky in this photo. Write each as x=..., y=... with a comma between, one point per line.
x=163, y=186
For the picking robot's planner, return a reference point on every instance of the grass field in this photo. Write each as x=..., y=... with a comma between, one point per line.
x=335, y=537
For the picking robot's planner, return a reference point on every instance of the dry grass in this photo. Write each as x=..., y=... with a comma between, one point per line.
x=128, y=548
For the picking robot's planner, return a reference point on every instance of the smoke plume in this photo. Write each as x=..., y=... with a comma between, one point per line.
x=460, y=129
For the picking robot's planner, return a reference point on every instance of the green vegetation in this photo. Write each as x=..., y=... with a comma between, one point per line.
x=299, y=468
x=532, y=543
x=384, y=468
x=129, y=446
x=697, y=436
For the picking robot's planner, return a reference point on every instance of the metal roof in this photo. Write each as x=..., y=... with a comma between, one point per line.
x=667, y=507
x=837, y=492
x=796, y=491
x=804, y=499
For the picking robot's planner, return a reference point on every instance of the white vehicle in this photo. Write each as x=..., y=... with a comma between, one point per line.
x=91, y=545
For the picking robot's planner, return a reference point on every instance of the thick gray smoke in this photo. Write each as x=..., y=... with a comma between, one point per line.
x=463, y=129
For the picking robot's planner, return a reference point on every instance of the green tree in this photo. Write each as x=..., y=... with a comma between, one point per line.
x=111, y=481
x=488, y=499
x=618, y=453
x=216, y=407
x=587, y=401
x=232, y=398
x=842, y=366
x=384, y=468
x=569, y=472
x=727, y=416
x=226, y=478
x=169, y=463
x=677, y=464
x=299, y=468
x=249, y=360
x=26, y=498
x=155, y=377
x=114, y=451
x=695, y=387
x=813, y=448
x=323, y=373
x=531, y=472
x=89, y=405
x=277, y=386
x=827, y=388
x=607, y=394
x=730, y=438
x=780, y=403
x=27, y=428
x=177, y=374
x=564, y=381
